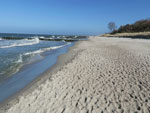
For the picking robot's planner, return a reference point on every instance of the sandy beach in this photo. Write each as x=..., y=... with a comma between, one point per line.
x=101, y=75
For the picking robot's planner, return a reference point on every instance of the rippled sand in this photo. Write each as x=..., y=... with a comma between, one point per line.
x=108, y=75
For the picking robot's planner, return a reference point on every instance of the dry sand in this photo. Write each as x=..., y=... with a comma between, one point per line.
x=107, y=75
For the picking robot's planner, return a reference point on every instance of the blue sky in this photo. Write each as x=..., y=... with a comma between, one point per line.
x=77, y=17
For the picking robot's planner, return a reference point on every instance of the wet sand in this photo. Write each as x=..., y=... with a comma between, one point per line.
x=101, y=75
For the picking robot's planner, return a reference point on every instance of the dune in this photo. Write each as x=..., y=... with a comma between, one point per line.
x=137, y=35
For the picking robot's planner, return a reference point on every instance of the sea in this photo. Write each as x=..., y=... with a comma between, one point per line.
x=24, y=57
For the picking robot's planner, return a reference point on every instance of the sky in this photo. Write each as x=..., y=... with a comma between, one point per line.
x=69, y=17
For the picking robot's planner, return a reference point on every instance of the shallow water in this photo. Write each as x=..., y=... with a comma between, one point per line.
x=16, y=53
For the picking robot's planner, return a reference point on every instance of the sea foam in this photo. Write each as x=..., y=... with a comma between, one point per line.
x=44, y=50
x=23, y=42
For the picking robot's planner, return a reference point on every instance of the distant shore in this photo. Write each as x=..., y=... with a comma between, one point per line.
x=139, y=35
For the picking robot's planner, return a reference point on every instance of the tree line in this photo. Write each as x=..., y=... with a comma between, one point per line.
x=138, y=26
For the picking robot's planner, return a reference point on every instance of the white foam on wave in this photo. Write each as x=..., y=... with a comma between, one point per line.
x=19, y=59
x=45, y=49
x=23, y=42
x=45, y=38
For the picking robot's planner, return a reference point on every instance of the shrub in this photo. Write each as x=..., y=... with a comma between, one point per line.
x=138, y=26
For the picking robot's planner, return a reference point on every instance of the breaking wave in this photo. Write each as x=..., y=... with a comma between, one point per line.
x=17, y=43
x=44, y=50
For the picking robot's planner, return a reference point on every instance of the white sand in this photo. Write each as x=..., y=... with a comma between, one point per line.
x=108, y=75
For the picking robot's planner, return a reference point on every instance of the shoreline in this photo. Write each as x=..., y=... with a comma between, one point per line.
x=61, y=60
x=99, y=75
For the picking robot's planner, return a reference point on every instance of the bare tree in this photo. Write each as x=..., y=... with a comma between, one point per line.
x=112, y=26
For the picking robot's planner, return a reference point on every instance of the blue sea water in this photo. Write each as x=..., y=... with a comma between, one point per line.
x=15, y=54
